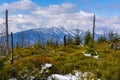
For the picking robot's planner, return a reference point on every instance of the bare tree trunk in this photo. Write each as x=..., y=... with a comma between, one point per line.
x=64, y=41
x=6, y=20
x=11, y=60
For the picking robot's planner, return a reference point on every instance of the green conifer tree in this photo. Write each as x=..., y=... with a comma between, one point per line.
x=114, y=37
x=77, y=38
x=69, y=40
x=87, y=37
x=102, y=38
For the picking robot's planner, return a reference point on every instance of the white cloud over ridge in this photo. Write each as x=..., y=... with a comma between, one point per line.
x=29, y=15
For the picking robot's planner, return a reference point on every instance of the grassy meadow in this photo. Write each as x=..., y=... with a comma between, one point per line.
x=27, y=62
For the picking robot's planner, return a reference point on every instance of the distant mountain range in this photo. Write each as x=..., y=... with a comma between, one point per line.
x=43, y=34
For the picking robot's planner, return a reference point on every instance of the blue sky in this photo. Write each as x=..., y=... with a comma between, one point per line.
x=105, y=8
x=29, y=14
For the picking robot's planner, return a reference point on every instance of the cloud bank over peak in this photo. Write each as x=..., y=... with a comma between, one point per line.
x=25, y=14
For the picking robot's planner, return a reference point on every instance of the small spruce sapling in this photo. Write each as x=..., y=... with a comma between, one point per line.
x=90, y=48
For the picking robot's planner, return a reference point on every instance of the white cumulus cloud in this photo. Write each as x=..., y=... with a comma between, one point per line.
x=25, y=14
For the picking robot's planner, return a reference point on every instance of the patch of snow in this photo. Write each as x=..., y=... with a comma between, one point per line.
x=72, y=77
x=62, y=77
x=47, y=65
x=12, y=79
x=88, y=55
x=97, y=56
x=44, y=67
x=78, y=75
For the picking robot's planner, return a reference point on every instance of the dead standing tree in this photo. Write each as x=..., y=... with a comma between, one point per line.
x=6, y=24
x=64, y=41
x=11, y=60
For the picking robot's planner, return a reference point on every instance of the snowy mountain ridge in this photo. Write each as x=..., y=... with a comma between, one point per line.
x=43, y=34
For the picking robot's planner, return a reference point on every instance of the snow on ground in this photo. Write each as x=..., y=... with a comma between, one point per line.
x=62, y=77
x=47, y=65
x=77, y=76
x=97, y=56
x=12, y=79
x=89, y=55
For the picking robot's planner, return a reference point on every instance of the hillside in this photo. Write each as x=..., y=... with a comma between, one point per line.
x=32, y=36
x=27, y=63
x=43, y=34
